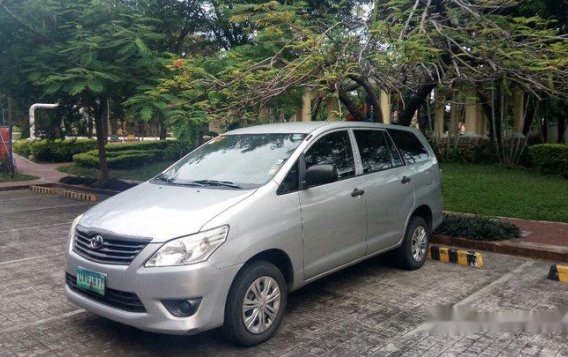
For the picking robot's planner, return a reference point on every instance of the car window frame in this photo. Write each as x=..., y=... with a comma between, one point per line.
x=302, y=164
x=388, y=141
x=399, y=151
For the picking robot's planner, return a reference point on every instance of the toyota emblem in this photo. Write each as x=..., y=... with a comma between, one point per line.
x=97, y=241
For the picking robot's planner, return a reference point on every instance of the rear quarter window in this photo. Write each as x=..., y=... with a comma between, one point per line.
x=409, y=146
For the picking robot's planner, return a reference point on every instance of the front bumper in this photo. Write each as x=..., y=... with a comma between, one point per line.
x=152, y=285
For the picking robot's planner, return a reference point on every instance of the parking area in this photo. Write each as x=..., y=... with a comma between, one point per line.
x=369, y=309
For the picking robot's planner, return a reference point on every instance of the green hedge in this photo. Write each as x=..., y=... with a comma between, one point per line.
x=53, y=151
x=477, y=228
x=550, y=158
x=23, y=147
x=119, y=159
x=64, y=150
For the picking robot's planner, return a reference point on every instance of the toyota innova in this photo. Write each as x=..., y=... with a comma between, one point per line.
x=222, y=236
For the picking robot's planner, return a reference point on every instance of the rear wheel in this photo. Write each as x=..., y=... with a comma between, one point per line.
x=255, y=305
x=411, y=255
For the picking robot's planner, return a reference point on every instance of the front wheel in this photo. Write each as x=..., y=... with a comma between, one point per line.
x=256, y=304
x=411, y=255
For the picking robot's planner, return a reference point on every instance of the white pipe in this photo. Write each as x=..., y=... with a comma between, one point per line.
x=32, y=115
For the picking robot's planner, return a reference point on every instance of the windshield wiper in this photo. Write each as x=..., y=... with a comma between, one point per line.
x=163, y=177
x=170, y=180
x=217, y=183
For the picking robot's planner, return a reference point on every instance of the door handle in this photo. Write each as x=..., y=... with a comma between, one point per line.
x=405, y=179
x=357, y=192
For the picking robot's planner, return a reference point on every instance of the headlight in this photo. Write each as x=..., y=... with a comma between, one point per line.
x=74, y=226
x=191, y=249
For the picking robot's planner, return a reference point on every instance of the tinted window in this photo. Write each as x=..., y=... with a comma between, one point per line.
x=409, y=146
x=333, y=149
x=374, y=150
x=396, y=159
x=248, y=160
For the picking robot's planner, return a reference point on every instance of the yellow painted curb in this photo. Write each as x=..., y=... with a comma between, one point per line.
x=559, y=273
x=43, y=190
x=91, y=197
x=457, y=256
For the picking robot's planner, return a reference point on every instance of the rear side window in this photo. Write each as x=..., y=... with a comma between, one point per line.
x=333, y=149
x=410, y=147
x=374, y=149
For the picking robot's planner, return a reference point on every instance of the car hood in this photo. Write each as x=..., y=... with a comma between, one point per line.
x=160, y=212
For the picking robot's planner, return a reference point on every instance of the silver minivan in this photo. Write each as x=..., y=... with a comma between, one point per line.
x=223, y=235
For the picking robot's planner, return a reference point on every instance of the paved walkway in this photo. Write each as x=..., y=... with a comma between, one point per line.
x=47, y=173
x=542, y=232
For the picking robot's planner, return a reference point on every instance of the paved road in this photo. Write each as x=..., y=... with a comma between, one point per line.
x=369, y=309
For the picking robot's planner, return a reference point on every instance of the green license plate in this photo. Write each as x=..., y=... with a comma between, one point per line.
x=91, y=281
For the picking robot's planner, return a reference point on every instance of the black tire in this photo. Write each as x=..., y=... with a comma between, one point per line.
x=234, y=327
x=403, y=255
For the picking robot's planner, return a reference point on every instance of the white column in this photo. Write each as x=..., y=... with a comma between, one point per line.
x=307, y=106
x=440, y=113
x=385, y=107
x=332, y=110
x=470, y=113
x=518, y=111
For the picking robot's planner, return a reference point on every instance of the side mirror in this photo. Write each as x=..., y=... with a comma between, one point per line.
x=321, y=174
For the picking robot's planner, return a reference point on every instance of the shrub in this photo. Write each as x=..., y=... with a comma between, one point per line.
x=23, y=147
x=477, y=228
x=464, y=150
x=550, y=158
x=64, y=150
x=60, y=150
x=119, y=159
x=143, y=145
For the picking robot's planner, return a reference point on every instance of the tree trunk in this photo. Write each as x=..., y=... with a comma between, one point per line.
x=10, y=111
x=418, y=97
x=561, y=129
x=372, y=95
x=105, y=121
x=100, y=117
x=544, y=126
x=90, y=126
x=316, y=108
x=163, y=128
x=530, y=114
x=351, y=106
x=414, y=102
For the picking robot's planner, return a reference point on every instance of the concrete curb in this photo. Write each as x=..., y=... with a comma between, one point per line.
x=46, y=190
x=542, y=251
x=456, y=256
x=22, y=186
x=99, y=191
x=558, y=273
x=81, y=196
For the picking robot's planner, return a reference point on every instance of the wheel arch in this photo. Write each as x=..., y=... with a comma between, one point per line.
x=280, y=259
x=423, y=211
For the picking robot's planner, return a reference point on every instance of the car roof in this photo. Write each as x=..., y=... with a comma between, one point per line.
x=306, y=127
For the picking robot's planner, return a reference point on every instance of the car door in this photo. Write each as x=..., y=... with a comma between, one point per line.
x=416, y=159
x=389, y=198
x=333, y=214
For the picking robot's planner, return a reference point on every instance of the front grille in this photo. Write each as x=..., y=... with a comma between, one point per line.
x=113, y=250
x=115, y=298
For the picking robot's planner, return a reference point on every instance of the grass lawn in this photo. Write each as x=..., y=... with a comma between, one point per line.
x=137, y=173
x=497, y=191
x=17, y=177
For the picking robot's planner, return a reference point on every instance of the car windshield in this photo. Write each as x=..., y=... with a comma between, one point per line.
x=234, y=161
